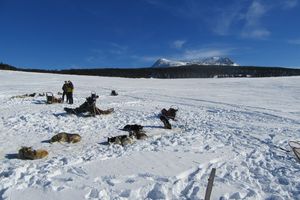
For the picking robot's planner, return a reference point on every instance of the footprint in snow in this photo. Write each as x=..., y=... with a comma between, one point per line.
x=92, y=194
x=77, y=171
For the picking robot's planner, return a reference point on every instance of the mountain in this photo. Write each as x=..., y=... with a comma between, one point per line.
x=162, y=62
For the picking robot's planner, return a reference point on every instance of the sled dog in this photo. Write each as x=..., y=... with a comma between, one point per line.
x=27, y=153
x=166, y=122
x=139, y=135
x=65, y=137
x=133, y=127
x=170, y=114
x=121, y=140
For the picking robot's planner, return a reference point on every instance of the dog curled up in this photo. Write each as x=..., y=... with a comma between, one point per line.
x=121, y=140
x=27, y=153
x=66, y=137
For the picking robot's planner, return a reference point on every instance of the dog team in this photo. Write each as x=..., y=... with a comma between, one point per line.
x=135, y=131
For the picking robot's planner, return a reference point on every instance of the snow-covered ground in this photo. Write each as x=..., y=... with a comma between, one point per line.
x=233, y=125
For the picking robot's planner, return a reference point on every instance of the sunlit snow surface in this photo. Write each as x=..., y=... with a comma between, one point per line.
x=233, y=125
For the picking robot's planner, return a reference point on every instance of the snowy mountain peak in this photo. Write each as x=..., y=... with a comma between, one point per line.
x=162, y=62
x=216, y=60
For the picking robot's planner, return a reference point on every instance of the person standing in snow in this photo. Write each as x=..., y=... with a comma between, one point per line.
x=65, y=88
x=70, y=90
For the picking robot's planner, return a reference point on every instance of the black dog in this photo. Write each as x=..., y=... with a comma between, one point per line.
x=166, y=122
x=170, y=114
x=133, y=127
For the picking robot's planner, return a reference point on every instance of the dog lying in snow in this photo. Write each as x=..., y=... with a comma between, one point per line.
x=136, y=131
x=66, y=137
x=24, y=96
x=27, y=153
x=133, y=127
x=139, y=135
x=121, y=140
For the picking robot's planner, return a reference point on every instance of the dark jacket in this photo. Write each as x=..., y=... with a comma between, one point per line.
x=65, y=87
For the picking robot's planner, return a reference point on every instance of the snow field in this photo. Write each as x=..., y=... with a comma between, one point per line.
x=234, y=125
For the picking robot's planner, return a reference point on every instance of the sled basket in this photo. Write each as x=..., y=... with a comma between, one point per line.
x=50, y=97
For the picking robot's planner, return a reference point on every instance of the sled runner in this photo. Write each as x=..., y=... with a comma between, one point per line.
x=297, y=153
x=295, y=145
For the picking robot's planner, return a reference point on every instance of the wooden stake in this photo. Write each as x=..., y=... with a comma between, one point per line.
x=210, y=184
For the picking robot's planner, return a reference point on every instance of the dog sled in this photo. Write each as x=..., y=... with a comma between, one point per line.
x=295, y=145
x=52, y=99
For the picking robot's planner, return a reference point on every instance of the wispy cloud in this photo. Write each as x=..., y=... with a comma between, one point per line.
x=108, y=51
x=255, y=12
x=145, y=58
x=190, y=54
x=178, y=44
x=253, y=27
x=183, y=8
x=118, y=49
x=249, y=14
x=96, y=55
x=289, y=3
x=257, y=33
x=243, y=18
x=294, y=41
x=223, y=20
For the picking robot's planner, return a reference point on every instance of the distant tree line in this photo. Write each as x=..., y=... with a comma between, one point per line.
x=192, y=71
x=7, y=67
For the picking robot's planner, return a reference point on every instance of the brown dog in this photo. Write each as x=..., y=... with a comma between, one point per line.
x=66, y=137
x=27, y=153
x=139, y=135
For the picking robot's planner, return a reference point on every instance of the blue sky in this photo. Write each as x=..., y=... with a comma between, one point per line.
x=59, y=34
